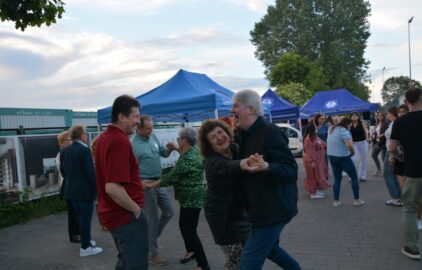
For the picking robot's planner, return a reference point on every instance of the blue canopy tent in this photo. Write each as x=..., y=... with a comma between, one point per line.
x=280, y=108
x=334, y=102
x=186, y=97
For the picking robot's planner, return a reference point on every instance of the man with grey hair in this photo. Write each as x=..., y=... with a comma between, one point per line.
x=408, y=131
x=77, y=168
x=148, y=150
x=271, y=195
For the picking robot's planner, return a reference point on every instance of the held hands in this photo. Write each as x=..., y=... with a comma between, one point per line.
x=255, y=163
x=171, y=146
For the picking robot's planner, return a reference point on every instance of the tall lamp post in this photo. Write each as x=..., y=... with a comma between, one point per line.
x=383, y=70
x=410, y=59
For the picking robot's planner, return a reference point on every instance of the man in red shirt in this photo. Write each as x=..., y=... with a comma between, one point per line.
x=120, y=193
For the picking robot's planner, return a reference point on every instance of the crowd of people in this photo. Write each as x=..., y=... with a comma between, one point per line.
x=240, y=172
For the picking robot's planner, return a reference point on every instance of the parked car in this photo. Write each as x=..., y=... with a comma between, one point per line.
x=295, y=138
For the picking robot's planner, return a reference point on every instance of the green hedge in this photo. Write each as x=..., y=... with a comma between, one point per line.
x=15, y=213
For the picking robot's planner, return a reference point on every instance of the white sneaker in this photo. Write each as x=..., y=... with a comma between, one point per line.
x=320, y=193
x=83, y=252
x=358, y=202
x=336, y=203
x=419, y=221
x=316, y=196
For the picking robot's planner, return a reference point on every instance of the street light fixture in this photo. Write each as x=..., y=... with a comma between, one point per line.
x=383, y=70
x=410, y=59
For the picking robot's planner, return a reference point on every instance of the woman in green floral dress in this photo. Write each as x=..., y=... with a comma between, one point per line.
x=187, y=178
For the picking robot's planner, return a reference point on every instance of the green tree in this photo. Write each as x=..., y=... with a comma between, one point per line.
x=296, y=93
x=298, y=69
x=395, y=87
x=31, y=12
x=332, y=32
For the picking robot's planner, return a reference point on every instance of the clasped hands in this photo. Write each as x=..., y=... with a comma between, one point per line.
x=171, y=146
x=254, y=163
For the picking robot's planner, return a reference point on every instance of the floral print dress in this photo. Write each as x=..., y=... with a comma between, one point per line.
x=316, y=175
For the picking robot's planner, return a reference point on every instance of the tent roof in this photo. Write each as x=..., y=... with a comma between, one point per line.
x=187, y=96
x=334, y=102
x=280, y=108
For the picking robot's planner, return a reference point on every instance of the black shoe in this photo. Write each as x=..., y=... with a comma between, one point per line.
x=413, y=254
x=187, y=259
x=75, y=238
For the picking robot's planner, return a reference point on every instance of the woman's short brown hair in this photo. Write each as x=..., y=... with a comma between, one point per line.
x=205, y=129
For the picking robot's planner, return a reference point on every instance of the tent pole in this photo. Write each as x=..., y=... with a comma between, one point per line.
x=300, y=126
x=216, y=114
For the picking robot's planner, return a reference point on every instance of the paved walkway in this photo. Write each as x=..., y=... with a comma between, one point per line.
x=320, y=237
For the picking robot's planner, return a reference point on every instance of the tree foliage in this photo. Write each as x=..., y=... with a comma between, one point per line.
x=332, y=33
x=395, y=87
x=296, y=93
x=293, y=68
x=31, y=12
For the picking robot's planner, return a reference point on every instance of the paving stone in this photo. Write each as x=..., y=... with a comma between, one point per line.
x=320, y=237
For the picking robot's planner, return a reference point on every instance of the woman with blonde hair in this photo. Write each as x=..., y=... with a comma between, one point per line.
x=340, y=149
x=72, y=221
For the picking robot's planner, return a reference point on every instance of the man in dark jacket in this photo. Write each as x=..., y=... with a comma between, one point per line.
x=78, y=169
x=272, y=194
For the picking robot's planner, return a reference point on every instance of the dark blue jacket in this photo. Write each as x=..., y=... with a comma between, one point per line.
x=271, y=195
x=78, y=172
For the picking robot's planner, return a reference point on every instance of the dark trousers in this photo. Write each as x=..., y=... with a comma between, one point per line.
x=72, y=222
x=340, y=164
x=376, y=150
x=83, y=210
x=188, y=222
x=132, y=243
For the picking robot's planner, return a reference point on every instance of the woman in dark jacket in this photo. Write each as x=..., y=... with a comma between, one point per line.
x=378, y=141
x=224, y=209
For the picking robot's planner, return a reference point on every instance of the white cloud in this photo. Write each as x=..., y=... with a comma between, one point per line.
x=54, y=67
x=258, y=6
x=126, y=6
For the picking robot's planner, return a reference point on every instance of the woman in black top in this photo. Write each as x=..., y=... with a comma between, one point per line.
x=224, y=204
x=360, y=143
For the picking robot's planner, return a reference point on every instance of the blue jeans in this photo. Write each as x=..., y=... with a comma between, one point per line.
x=340, y=164
x=264, y=243
x=131, y=241
x=390, y=178
x=83, y=211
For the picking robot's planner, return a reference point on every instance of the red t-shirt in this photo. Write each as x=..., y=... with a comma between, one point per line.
x=116, y=163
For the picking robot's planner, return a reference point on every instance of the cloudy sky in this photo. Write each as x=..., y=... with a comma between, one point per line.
x=104, y=48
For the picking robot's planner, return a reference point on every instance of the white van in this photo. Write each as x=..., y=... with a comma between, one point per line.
x=295, y=138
